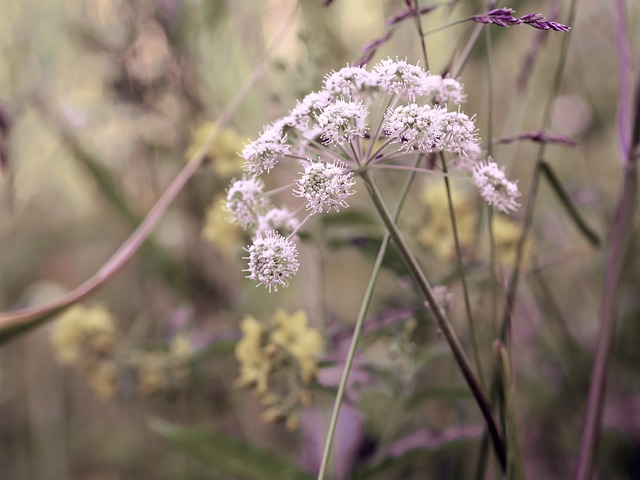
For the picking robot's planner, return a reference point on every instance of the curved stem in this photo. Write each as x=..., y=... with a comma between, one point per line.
x=443, y=322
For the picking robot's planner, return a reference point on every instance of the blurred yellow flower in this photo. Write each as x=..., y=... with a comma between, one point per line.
x=279, y=360
x=223, y=154
x=506, y=233
x=103, y=379
x=292, y=332
x=437, y=233
x=255, y=364
x=218, y=231
x=151, y=372
x=83, y=331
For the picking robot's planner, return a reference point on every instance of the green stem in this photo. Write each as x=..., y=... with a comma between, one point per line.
x=461, y=273
x=443, y=322
x=364, y=307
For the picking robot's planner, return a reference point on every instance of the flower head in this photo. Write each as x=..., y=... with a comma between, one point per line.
x=416, y=127
x=277, y=219
x=494, y=186
x=350, y=82
x=461, y=135
x=272, y=260
x=324, y=184
x=255, y=364
x=264, y=153
x=400, y=77
x=341, y=121
x=445, y=89
x=309, y=108
x=245, y=201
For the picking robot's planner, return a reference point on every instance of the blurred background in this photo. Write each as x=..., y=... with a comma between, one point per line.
x=101, y=104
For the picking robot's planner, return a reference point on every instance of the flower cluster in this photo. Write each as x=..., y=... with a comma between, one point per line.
x=360, y=119
x=279, y=361
x=435, y=231
x=85, y=337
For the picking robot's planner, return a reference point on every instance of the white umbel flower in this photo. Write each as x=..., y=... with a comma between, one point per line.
x=445, y=90
x=400, y=77
x=324, y=185
x=341, y=121
x=264, y=153
x=461, y=136
x=245, y=201
x=280, y=219
x=350, y=82
x=416, y=127
x=306, y=111
x=273, y=259
x=494, y=186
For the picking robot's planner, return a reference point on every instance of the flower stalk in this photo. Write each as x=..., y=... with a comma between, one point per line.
x=443, y=322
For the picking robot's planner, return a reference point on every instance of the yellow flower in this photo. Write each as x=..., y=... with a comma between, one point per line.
x=83, y=330
x=292, y=333
x=223, y=153
x=255, y=364
x=218, y=231
x=437, y=233
x=506, y=233
x=103, y=379
x=151, y=373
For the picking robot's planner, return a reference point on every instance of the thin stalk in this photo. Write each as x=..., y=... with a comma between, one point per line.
x=463, y=277
x=443, y=322
x=364, y=307
x=607, y=317
x=416, y=16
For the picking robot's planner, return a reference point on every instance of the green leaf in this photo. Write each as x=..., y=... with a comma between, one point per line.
x=567, y=203
x=233, y=456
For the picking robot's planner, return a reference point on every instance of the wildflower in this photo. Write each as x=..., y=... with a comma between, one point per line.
x=350, y=82
x=264, y=153
x=494, y=186
x=272, y=260
x=278, y=360
x=103, y=379
x=416, y=127
x=217, y=230
x=82, y=333
x=223, y=153
x=400, y=77
x=342, y=121
x=292, y=332
x=254, y=363
x=444, y=90
x=151, y=373
x=506, y=236
x=245, y=201
x=280, y=219
x=309, y=108
x=436, y=233
x=461, y=136
x=324, y=184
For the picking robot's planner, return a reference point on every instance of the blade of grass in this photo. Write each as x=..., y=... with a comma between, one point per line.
x=591, y=236
x=607, y=317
